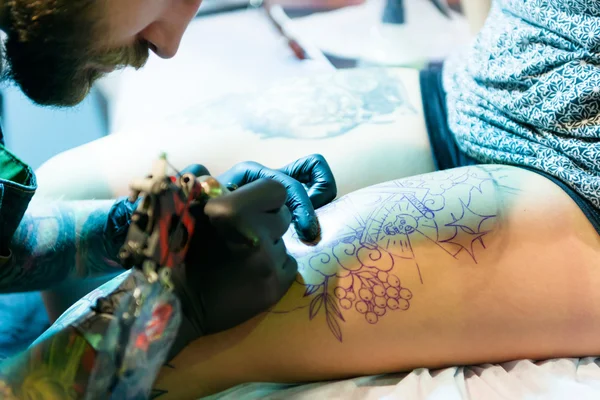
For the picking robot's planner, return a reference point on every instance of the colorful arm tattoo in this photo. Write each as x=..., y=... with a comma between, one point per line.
x=57, y=368
x=56, y=242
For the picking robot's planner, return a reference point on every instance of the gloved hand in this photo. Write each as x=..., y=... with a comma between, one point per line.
x=236, y=266
x=308, y=181
x=311, y=171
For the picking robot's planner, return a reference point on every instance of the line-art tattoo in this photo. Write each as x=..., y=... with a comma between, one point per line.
x=368, y=263
x=316, y=107
x=361, y=268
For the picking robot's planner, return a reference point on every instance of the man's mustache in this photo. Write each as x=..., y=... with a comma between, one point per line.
x=134, y=56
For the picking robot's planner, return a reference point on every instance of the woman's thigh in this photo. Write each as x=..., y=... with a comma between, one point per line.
x=367, y=123
x=473, y=265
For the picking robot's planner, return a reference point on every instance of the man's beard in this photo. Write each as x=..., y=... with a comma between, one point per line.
x=51, y=50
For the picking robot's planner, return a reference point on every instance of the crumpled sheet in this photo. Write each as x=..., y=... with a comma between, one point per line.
x=561, y=379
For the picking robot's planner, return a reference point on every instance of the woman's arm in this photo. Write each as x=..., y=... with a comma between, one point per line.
x=359, y=120
x=480, y=264
x=57, y=242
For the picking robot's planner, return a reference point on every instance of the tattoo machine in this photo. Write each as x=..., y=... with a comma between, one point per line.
x=145, y=316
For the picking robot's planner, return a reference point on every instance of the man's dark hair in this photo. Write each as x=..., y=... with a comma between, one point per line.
x=50, y=45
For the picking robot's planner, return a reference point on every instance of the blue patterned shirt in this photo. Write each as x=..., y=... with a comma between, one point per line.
x=528, y=91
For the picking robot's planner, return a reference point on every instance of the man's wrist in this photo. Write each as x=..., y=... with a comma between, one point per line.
x=117, y=226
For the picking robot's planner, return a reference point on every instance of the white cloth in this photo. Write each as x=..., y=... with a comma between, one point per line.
x=562, y=379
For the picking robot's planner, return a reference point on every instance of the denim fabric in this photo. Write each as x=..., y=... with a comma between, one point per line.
x=22, y=316
x=14, y=200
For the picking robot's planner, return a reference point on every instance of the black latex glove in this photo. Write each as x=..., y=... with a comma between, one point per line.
x=309, y=183
x=237, y=265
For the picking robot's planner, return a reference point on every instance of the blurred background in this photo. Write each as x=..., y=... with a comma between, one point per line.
x=236, y=46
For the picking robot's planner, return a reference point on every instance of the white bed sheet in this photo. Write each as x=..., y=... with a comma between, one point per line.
x=561, y=379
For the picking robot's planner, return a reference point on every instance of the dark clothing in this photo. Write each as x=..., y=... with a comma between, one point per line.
x=17, y=187
x=22, y=316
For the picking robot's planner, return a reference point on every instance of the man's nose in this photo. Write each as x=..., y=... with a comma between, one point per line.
x=164, y=35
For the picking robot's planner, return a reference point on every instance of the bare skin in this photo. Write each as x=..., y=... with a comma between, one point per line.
x=508, y=295
x=160, y=26
x=441, y=269
x=476, y=12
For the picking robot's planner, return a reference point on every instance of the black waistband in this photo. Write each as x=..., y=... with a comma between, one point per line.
x=446, y=153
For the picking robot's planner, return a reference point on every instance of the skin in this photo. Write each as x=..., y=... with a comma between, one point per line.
x=100, y=36
x=481, y=283
x=161, y=23
x=518, y=298
x=476, y=12
x=391, y=146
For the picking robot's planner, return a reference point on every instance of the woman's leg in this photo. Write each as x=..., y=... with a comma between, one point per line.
x=368, y=124
x=473, y=265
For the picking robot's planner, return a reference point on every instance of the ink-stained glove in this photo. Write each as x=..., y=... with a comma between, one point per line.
x=308, y=181
x=237, y=265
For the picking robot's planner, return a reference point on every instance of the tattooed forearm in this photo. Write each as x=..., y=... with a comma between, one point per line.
x=56, y=242
x=365, y=265
x=58, y=368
